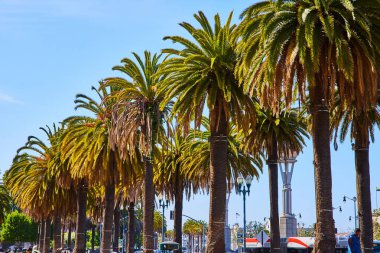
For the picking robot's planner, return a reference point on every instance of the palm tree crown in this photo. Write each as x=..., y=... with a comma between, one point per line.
x=196, y=157
x=203, y=72
x=327, y=42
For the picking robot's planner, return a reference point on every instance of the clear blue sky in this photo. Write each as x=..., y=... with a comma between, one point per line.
x=51, y=50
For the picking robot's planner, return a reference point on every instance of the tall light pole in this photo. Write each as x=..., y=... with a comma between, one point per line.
x=164, y=205
x=288, y=221
x=354, y=200
x=243, y=190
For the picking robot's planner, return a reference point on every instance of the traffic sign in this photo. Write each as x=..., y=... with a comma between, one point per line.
x=262, y=237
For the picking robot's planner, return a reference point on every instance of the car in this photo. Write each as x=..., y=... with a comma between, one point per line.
x=376, y=246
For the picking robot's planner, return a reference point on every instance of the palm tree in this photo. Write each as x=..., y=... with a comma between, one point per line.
x=137, y=120
x=325, y=44
x=5, y=203
x=170, y=178
x=127, y=193
x=35, y=182
x=158, y=221
x=203, y=72
x=276, y=134
x=86, y=147
x=193, y=228
x=183, y=162
x=361, y=126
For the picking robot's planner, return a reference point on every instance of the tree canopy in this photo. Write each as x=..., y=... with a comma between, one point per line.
x=18, y=227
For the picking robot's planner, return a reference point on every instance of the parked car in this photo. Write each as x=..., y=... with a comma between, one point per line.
x=376, y=246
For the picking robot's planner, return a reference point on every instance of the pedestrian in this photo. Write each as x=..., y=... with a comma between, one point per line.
x=354, y=242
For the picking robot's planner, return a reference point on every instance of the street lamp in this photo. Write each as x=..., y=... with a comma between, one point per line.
x=164, y=205
x=242, y=189
x=354, y=200
x=288, y=221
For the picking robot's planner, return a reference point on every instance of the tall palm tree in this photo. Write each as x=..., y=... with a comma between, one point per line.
x=181, y=168
x=276, y=134
x=325, y=44
x=361, y=126
x=5, y=202
x=86, y=147
x=193, y=228
x=127, y=194
x=196, y=157
x=35, y=182
x=202, y=71
x=137, y=120
x=170, y=178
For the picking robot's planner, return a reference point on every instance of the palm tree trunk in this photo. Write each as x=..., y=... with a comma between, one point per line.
x=148, y=209
x=57, y=248
x=189, y=242
x=93, y=238
x=38, y=235
x=116, y=233
x=273, y=191
x=218, y=185
x=108, y=218
x=80, y=236
x=199, y=243
x=178, y=207
x=192, y=247
x=325, y=225
x=46, y=248
x=42, y=235
x=69, y=236
x=63, y=236
x=131, y=228
x=363, y=188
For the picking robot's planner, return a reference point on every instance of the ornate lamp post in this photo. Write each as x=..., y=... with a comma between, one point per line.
x=164, y=204
x=243, y=190
x=353, y=200
x=288, y=221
